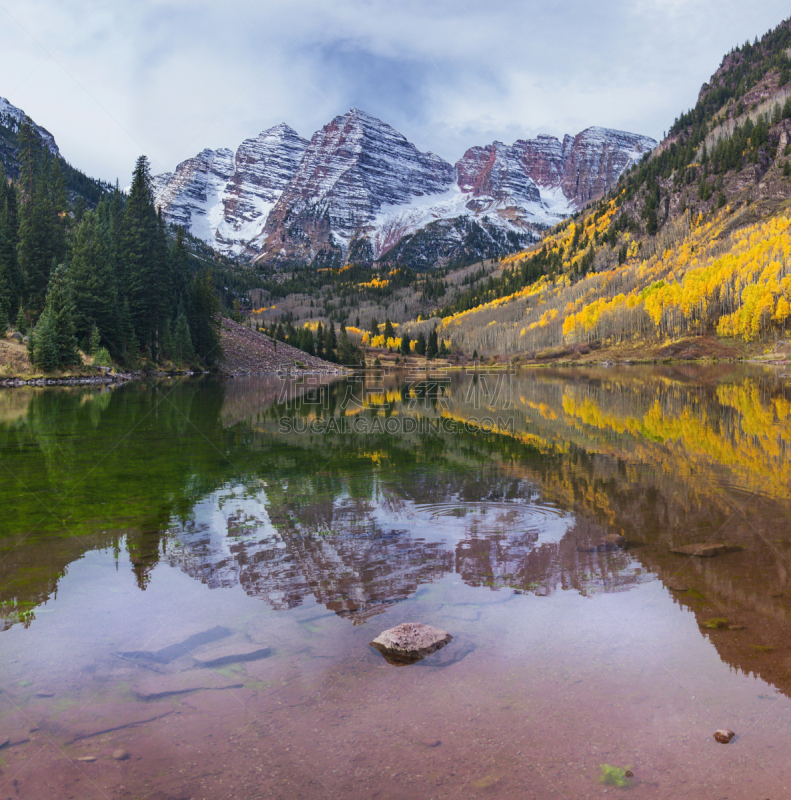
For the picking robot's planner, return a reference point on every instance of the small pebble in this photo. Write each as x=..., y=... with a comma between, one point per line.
x=629, y=773
x=44, y=694
x=432, y=742
x=120, y=754
x=87, y=758
x=723, y=735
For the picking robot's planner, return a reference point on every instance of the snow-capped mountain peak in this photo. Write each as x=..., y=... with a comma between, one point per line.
x=361, y=184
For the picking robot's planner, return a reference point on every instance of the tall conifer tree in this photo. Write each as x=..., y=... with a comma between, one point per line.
x=137, y=256
x=93, y=281
x=52, y=343
x=205, y=319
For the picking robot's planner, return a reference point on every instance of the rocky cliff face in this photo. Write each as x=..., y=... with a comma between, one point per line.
x=595, y=160
x=359, y=187
x=496, y=171
x=583, y=167
x=352, y=168
x=225, y=198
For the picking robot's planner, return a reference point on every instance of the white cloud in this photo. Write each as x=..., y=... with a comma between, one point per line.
x=170, y=77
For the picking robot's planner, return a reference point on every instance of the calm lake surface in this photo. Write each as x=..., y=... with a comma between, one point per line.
x=192, y=571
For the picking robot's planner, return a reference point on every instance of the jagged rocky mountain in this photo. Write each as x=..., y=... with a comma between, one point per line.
x=358, y=188
x=578, y=170
x=225, y=198
x=354, y=170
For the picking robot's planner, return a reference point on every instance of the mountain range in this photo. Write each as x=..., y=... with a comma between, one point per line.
x=359, y=190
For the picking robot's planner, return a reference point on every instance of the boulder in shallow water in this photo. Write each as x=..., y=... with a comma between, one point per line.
x=706, y=549
x=410, y=642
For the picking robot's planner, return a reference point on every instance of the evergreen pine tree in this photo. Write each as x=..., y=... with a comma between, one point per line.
x=112, y=212
x=52, y=343
x=330, y=343
x=93, y=281
x=205, y=319
x=183, y=352
x=166, y=342
x=138, y=257
x=161, y=279
x=305, y=341
x=127, y=341
x=180, y=272
x=345, y=353
x=389, y=332
x=420, y=344
x=432, y=347
x=405, y=342
x=96, y=340
x=21, y=320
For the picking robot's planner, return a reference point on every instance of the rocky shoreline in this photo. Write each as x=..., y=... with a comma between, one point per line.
x=73, y=380
x=245, y=352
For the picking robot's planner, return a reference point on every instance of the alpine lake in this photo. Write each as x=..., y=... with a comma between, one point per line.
x=192, y=571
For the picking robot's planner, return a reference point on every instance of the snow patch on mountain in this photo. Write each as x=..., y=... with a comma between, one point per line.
x=225, y=198
x=392, y=222
x=283, y=198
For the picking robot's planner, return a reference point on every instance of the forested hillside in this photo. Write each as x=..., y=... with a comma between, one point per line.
x=693, y=240
x=112, y=281
x=84, y=191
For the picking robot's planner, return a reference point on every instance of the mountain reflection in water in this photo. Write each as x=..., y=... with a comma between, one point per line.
x=213, y=483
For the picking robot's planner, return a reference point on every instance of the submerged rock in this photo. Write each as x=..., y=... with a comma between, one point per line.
x=120, y=754
x=706, y=549
x=155, y=687
x=410, y=642
x=166, y=655
x=723, y=735
x=612, y=541
x=225, y=653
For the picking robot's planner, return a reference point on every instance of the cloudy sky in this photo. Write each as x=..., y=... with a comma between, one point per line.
x=166, y=78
